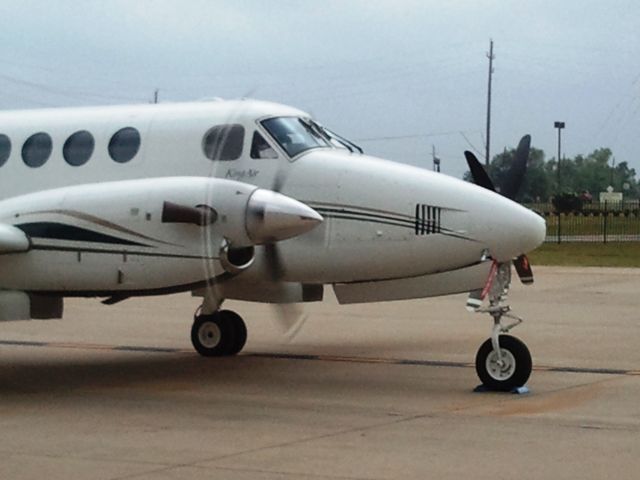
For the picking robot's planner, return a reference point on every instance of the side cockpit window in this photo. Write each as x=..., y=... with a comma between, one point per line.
x=223, y=142
x=260, y=148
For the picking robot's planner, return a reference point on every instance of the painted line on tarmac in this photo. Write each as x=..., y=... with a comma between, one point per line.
x=308, y=357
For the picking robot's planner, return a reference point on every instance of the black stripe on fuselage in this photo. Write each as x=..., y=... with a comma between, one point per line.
x=419, y=224
x=369, y=220
x=149, y=292
x=133, y=253
x=400, y=219
x=61, y=231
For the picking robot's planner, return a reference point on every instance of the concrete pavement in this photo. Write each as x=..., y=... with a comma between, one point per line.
x=363, y=392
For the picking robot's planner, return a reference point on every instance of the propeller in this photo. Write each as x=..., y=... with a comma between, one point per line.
x=478, y=173
x=290, y=317
x=509, y=188
x=515, y=177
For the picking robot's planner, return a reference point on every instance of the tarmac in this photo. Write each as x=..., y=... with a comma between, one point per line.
x=377, y=391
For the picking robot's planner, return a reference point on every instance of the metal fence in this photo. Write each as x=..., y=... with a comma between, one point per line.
x=592, y=222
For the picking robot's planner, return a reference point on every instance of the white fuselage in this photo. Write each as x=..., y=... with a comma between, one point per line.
x=382, y=220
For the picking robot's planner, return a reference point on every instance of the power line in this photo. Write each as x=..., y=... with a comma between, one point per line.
x=74, y=93
x=415, y=135
x=469, y=143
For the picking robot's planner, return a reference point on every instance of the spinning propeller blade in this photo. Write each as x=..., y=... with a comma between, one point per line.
x=290, y=318
x=272, y=254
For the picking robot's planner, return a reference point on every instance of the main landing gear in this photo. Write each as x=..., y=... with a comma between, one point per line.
x=221, y=333
x=503, y=362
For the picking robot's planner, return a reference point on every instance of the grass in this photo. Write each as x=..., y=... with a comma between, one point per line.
x=623, y=254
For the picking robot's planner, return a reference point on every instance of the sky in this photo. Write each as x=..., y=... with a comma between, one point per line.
x=398, y=77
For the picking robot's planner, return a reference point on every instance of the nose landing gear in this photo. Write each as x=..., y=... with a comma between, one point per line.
x=503, y=362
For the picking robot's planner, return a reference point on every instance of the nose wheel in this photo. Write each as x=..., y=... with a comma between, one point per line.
x=221, y=333
x=504, y=369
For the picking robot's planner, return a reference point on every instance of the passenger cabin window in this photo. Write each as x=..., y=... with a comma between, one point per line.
x=223, y=142
x=124, y=144
x=78, y=148
x=5, y=149
x=260, y=148
x=294, y=135
x=37, y=149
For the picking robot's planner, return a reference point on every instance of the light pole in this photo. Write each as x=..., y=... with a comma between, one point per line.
x=559, y=126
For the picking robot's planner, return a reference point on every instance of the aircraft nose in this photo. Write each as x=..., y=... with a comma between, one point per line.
x=533, y=230
x=527, y=231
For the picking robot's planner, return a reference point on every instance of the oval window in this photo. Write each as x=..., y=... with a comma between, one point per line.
x=37, y=149
x=124, y=144
x=223, y=142
x=5, y=149
x=78, y=148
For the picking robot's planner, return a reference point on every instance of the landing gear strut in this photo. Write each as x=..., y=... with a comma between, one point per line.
x=503, y=362
x=217, y=334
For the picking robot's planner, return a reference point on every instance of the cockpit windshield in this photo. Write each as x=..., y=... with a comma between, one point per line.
x=296, y=135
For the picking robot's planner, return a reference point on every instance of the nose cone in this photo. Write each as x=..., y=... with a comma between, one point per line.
x=531, y=231
x=272, y=217
x=513, y=229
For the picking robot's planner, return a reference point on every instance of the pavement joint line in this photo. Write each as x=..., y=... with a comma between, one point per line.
x=310, y=357
x=88, y=458
x=364, y=428
x=284, y=474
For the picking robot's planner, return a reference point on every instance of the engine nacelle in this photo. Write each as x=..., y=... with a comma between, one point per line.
x=140, y=236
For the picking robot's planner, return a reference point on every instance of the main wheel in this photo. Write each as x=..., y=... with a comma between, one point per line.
x=239, y=328
x=515, y=368
x=213, y=335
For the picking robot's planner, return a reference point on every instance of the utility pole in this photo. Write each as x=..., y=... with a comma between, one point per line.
x=491, y=57
x=436, y=160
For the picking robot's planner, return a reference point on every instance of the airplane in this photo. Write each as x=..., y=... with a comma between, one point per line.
x=253, y=201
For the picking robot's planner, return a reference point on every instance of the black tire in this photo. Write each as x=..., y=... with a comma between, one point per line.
x=213, y=335
x=517, y=371
x=240, y=330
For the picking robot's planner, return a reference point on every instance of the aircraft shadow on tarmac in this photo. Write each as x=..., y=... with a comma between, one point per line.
x=35, y=378
x=31, y=377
